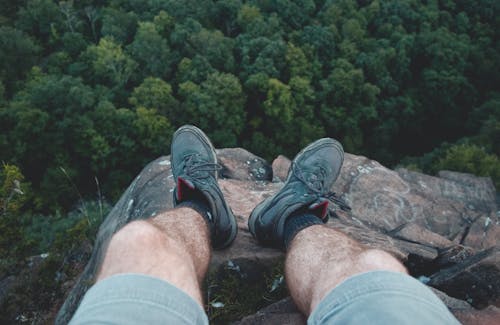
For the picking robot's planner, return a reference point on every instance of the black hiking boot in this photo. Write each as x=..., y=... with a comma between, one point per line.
x=194, y=167
x=305, y=193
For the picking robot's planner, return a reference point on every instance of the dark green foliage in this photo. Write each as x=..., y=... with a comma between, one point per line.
x=13, y=195
x=118, y=24
x=40, y=280
x=18, y=53
x=108, y=64
x=102, y=84
x=150, y=50
x=41, y=19
x=470, y=159
x=155, y=93
x=215, y=105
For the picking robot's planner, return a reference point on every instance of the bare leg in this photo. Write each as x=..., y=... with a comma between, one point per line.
x=319, y=258
x=173, y=246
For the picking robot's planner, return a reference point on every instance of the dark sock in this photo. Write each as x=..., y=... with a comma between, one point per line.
x=197, y=202
x=198, y=206
x=296, y=223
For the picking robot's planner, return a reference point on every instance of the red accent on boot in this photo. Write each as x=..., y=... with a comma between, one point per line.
x=180, y=184
x=324, y=209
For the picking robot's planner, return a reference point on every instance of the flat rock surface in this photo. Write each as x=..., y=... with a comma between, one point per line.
x=408, y=214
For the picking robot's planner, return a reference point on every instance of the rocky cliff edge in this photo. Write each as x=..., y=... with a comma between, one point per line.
x=445, y=229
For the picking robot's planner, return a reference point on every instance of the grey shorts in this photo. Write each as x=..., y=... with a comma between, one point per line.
x=381, y=297
x=378, y=297
x=137, y=299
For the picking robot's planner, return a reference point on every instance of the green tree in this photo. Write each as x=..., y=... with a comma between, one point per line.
x=14, y=45
x=110, y=65
x=348, y=103
x=247, y=16
x=13, y=195
x=297, y=62
x=262, y=55
x=164, y=23
x=153, y=131
x=13, y=191
x=151, y=51
x=214, y=46
x=195, y=70
x=215, y=105
x=41, y=19
x=46, y=121
x=8, y=10
x=279, y=103
x=156, y=94
x=71, y=18
x=321, y=39
x=224, y=14
x=289, y=118
x=181, y=34
x=470, y=159
x=74, y=44
x=294, y=13
x=118, y=24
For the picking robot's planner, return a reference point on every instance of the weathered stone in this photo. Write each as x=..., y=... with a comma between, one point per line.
x=484, y=232
x=402, y=212
x=385, y=200
x=487, y=316
x=280, y=168
x=415, y=233
x=476, y=279
x=466, y=314
x=476, y=190
x=243, y=165
x=373, y=239
x=281, y=312
x=453, y=304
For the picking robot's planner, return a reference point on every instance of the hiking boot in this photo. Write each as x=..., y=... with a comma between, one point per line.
x=194, y=167
x=306, y=191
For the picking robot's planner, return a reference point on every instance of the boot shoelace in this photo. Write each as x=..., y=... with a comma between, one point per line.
x=316, y=184
x=197, y=167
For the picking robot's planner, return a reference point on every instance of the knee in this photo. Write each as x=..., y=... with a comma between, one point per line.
x=138, y=234
x=375, y=259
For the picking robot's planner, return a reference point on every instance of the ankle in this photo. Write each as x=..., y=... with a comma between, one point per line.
x=297, y=222
x=201, y=207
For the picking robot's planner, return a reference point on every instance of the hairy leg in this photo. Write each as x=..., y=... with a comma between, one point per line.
x=174, y=246
x=319, y=258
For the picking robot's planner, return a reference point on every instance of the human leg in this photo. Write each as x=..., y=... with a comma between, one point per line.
x=152, y=273
x=174, y=246
x=331, y=277
x=319, y=258
x=153, y=268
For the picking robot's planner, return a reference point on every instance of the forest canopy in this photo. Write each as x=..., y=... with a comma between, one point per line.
x=92, y=90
